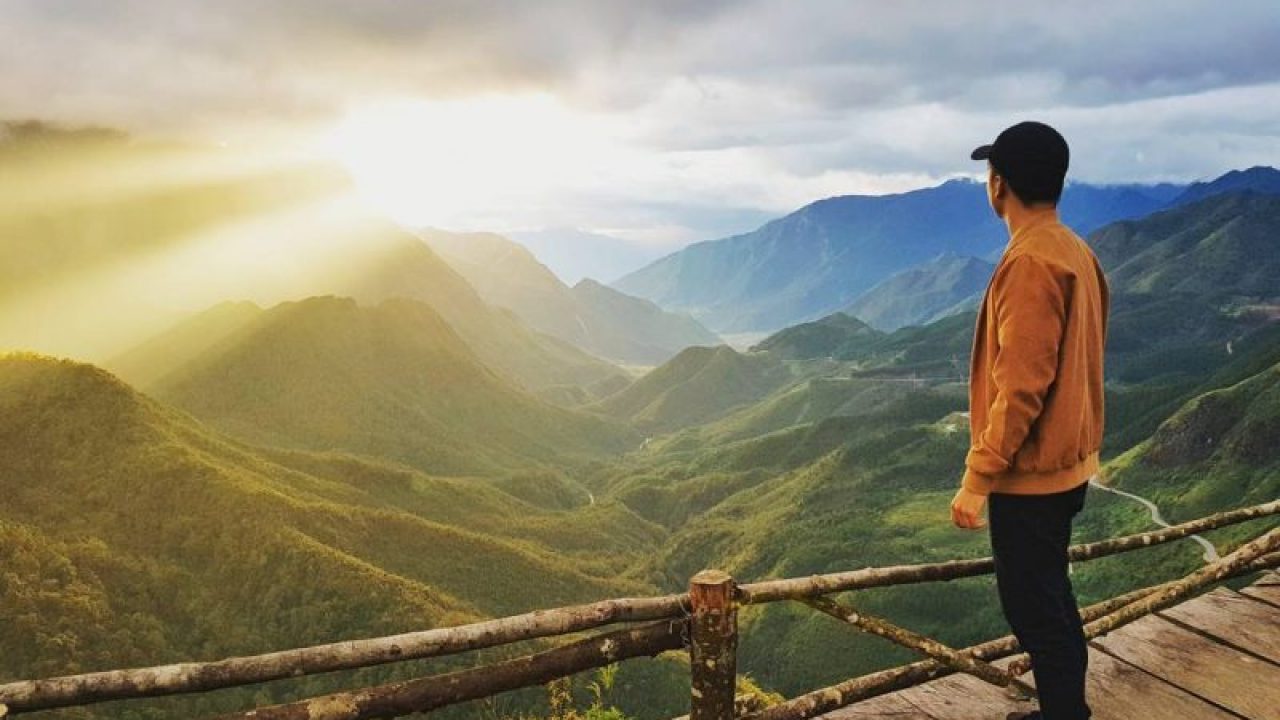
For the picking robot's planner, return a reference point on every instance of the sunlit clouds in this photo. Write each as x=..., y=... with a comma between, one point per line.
x=668, y=122
x=489, y=161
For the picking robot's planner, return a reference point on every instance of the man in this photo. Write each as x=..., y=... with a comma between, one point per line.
x=1036, y=408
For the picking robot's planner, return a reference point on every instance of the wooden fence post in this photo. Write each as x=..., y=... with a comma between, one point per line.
x=713, y=649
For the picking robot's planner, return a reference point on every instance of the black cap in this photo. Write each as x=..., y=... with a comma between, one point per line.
x=1032, y=156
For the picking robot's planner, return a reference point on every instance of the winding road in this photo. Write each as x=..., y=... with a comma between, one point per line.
x=1210, y=552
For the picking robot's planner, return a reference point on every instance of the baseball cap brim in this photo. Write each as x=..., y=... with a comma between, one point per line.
x=981, y=153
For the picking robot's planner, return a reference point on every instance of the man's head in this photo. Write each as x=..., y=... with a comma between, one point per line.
x=1028, y=159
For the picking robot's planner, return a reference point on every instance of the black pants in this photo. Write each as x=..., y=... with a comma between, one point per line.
x=1029, y=539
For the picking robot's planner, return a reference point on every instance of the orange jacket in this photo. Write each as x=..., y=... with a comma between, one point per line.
x=1035, y=378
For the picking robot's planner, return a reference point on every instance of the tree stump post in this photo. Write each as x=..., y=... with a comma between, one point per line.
x=713, y=648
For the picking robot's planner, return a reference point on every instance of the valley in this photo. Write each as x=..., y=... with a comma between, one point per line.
x=416, y=429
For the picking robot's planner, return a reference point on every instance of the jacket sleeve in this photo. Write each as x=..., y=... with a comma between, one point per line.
x=1029, y=301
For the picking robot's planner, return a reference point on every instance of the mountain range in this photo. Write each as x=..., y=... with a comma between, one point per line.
x=824, y=256
x=390, y=449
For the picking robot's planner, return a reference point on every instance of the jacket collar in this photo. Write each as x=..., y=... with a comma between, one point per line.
x=1037, y=220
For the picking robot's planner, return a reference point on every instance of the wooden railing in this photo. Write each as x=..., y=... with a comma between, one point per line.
x=702, y=620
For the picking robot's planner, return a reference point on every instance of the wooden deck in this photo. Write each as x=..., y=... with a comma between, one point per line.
x=1215, y=657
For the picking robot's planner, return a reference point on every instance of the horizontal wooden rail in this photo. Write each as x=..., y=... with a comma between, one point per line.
x=89, y=688
x=437, y=691
x=848, y=692
x=29, y=695
x=801, y=588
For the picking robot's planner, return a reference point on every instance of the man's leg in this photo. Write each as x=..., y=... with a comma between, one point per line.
x=1029, y=539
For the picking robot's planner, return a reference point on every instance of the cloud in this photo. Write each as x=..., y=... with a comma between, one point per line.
x=759, y=105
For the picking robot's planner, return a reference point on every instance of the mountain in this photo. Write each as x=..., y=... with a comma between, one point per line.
x=597, y=319
x=629, y=329
x=923, y=293
x=1087, y=207
x=1151, y=384
x=574, y=254
x=698, y=385
x=502, y=272
x=823, y=256
x=937, y=350
x=1222, y=246
x=391, y=381
x=837, y=335
x=1218, y=450
x=132, y=535
x=737, y=441
x=1194, y=295
x=1259, y=179
x=1202, y=274
x=405, y=267
x=149, y=362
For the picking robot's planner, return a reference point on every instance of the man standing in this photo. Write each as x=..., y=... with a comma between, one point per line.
x=1036, y=408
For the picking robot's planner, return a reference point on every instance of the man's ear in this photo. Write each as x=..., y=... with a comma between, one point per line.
x=998, y=186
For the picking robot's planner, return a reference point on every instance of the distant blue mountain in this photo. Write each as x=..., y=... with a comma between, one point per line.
x=923, y=293
x=824, y=256
x=1259, y=179
x=1222, y=246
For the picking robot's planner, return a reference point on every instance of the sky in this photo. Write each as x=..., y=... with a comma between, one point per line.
x=659, y=122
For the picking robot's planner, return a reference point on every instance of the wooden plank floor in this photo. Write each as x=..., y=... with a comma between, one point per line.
x=1215, y=657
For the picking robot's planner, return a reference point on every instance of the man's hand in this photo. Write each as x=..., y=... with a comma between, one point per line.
x=966, y=509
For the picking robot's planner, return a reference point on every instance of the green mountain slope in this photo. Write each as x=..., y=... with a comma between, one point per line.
x=1224, y=246
x=939, y=349
x=390, y=381
x=132, y=535
x=1217, y=451
x=698, y=385
x=839, y=335
x=841, y=493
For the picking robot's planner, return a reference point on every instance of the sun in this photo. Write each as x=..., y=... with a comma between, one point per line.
x=458, y=163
